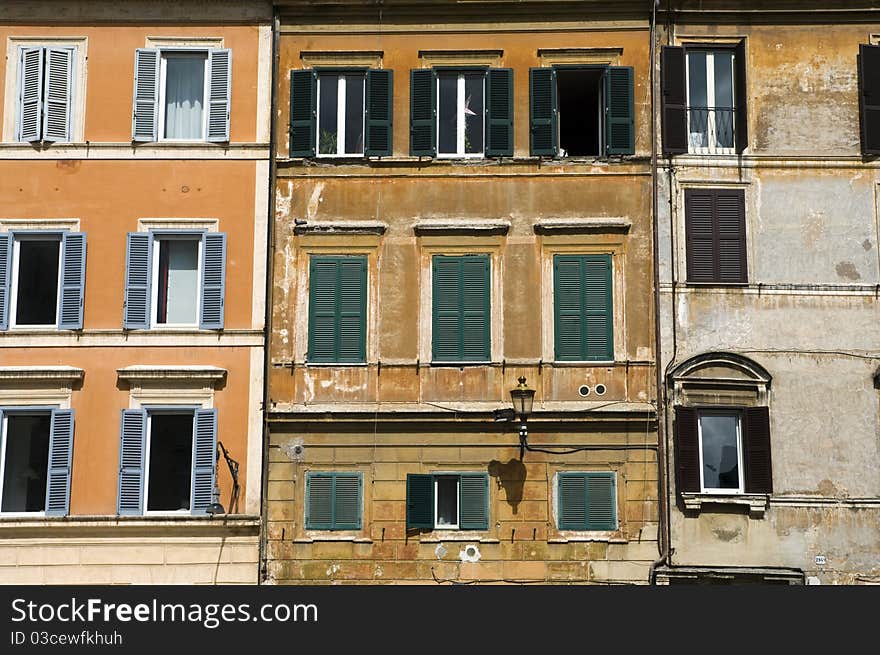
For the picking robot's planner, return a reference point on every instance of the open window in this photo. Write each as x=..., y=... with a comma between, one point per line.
x=42, y=279
x=447, y=501
x=581, y=111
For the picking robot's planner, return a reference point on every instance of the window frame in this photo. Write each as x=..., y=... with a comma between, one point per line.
x=718, y=411
x=341, y=82
x=435, y=477
x=151, y=411
x=162, y=92
x=23, y=410
x=461, y=98
x=711, y=147
x=33, y=235
x=171, y=235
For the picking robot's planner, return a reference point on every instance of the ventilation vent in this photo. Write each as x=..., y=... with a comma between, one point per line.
x=584, y=391
x=600, y=390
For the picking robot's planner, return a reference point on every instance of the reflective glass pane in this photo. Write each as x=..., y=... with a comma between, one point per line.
x=698, y=113
x=328, y=103
x=447, y=501
x=448, y=114
x=720, y=451
x=354, y=114
x=473, y=112
x=724, y=99
x=184, y=96
x=178, y=281
x=26, y=463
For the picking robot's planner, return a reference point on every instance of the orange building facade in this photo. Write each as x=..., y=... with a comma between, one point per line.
x=134, y=177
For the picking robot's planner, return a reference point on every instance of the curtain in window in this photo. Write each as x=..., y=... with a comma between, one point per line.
x=184, y=96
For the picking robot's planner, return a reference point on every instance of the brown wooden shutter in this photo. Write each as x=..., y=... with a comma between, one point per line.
x=741, y=127
x=687, y=450
x=699, y=221
x=756, y=451
x=730, y=222
x=869, y=97
x=715, y=236
x=673, y=82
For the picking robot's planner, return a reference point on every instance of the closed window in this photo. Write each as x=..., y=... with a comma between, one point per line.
x=182, y=94
x=35, y=454
x=175, y=279
x=337, y=309
x=582, y=302
x=167, y=460
x=334, y=501
x=723, y=450
x=341, y=113
x=461, y=112
x=45, y=94
x=447, y=501
x=869, y=98
x=586, y=501
x=715, y=236
x=460, y=308
x=704, y=99
x=581, y=111
x=42, y=279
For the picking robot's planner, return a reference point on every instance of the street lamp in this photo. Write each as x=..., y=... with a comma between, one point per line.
x=522, y=398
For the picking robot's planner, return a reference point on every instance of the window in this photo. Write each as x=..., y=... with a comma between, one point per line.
x=447, y=501
x=715, y=236
x=36, y=447
x=341, y=113
x=182, y=94
x=723, y=450
x=42, y=279
x=460, y=308
x=175, y=279
x=704, y=99
x=584, y=326
x=337, y=309
x=167, y=460
x=45, y=94
x=583, y=111
x=334, y=501
x=461, y=112
x=586, y=501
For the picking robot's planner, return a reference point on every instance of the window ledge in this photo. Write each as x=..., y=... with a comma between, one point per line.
x=439, y=537
x=341, y=227
x=583, y=537
x=757, y=503
x=584, y=224
x=333, y=537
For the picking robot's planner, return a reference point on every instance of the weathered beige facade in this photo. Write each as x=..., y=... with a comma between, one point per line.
x=400, y=413
x=800, y=336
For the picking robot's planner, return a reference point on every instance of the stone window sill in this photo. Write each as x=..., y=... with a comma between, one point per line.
x=582, y=537
x=333, y=537
x=439, y=537
x=757, y=503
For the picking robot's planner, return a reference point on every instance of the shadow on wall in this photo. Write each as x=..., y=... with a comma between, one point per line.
x=511, y=477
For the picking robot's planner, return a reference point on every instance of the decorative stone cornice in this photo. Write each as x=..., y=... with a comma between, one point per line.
x=341, y=227
x=585, y=224
x=440, y=226
x=136, y=375
x=65, y=375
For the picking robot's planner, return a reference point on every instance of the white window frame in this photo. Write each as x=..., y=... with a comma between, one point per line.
x=163, y=64
x=183, y=410
x=739, y=450
x=712, y=148
x=436, y=480
x=460, y=97
x=13, y=304
x=341, y=83
x=4, y=440
x=154, y=280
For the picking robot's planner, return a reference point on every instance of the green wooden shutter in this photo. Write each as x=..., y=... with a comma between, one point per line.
x=499, y=112
x=319, y=501
x=473, y=502
x=601, y=501
x=619, y=111
x=475, y=308
x=461, y=308
x=572, y=501
x=542, y=112
x=598, y=315
x=419, y=501
x=423, y=113
x=347, y=493
x=379, y=113
x=337, y=309
x=568, y=307
x=303, y=112
x=446, y=319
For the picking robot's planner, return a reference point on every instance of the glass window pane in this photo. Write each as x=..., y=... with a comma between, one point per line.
x=184, y=96
x=26, y=463
x=473, y=113
x=354, y=114
x=328, y=98
x=447, y=136
x=698, y=114
x=178, y=291
x=720, y=451
x=447, y=501
x=170, y=461
x=724, y=99
x=37, y=290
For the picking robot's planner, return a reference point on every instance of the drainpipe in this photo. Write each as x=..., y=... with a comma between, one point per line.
x=267, y=320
